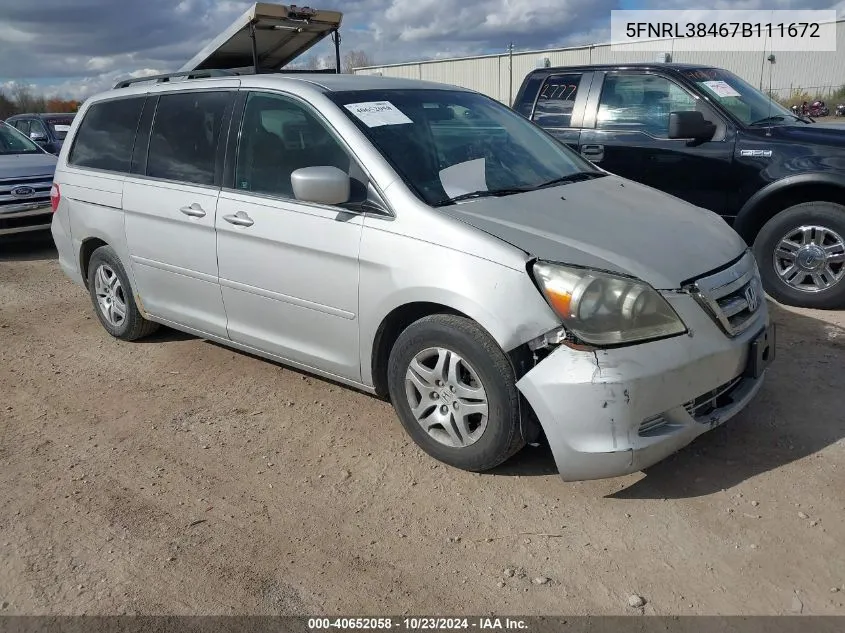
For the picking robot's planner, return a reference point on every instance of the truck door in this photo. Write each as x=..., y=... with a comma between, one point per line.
x=626, y=127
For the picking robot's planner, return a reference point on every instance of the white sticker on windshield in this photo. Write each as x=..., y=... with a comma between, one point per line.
x=721, y=88
x=466, y=177
x=61, y=128
x=378, y=113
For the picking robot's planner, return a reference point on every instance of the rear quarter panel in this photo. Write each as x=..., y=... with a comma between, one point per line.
x=92, y=202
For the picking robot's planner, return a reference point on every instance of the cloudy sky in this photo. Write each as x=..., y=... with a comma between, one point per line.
x=76, y=47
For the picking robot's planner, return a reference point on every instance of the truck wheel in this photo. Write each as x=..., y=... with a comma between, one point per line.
x=455, y=392
x=112, y=297
x=801, y=254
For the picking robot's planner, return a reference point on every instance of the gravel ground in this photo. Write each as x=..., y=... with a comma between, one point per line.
x=177, y=476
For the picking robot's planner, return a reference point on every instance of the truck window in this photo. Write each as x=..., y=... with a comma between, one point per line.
x=641, y=102
x=742, y=100
x=556, y=100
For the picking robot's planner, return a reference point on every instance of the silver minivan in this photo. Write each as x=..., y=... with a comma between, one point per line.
x=423, y=243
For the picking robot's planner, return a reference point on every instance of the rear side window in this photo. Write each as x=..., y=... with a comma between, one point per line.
x=556, y=101
x=107, y=134
x=22, y=125
x=183, y=143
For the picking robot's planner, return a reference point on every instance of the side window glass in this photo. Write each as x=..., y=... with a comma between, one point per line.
x=23, y=126
x=107, y=134
x=556, y=101
x=184, y=136
x=279, y=136
x=641, y=102
x=36, y=127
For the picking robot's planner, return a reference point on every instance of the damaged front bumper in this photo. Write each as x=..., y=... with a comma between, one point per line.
x=612, y=412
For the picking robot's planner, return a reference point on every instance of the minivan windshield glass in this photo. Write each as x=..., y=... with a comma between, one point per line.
x=745, y=102
x=13, y=142
x=450, y=145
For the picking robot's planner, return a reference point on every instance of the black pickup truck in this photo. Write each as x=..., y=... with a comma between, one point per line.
x=708, y=137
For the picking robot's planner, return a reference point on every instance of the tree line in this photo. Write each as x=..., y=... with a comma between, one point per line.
x=20, y=98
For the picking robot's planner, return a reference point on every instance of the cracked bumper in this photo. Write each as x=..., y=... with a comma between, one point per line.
x=618, y=411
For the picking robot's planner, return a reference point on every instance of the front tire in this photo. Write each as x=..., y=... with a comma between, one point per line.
x=455, y=393
x=801, y=254
x=111, y=294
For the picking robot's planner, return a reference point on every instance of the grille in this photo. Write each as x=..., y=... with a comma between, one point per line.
x=650, y=425
x=40, y=184
x=733, y=296
x=702, y=406
x=708, y=402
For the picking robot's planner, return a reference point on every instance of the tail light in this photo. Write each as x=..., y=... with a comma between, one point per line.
x=55, y=197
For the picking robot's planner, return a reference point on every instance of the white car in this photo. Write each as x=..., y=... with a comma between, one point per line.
x=423, y=243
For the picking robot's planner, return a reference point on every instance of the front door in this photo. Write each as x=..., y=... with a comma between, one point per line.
x=169, y=210
x=628, y=135
x=289, y=269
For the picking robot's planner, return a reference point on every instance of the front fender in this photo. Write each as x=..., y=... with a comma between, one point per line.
x=748, y=219
x=502, y=300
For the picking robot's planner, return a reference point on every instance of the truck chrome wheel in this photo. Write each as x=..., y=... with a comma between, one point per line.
x=446, y=397
x=110, y=298
x=810, y=258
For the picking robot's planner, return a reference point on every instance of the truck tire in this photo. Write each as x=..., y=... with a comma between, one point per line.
x=801, y=255
x=455, y=393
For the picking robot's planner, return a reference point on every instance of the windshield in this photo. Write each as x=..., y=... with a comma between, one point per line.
x=450, y=145
x=60, y=127
x=13, y=142
x=745, y=102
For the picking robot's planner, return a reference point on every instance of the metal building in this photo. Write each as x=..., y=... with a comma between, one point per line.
x=499, y=76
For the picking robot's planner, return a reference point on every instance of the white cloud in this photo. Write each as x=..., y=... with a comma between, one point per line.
x=76, y=48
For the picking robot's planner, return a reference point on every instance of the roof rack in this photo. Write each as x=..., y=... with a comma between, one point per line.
x=189, y=74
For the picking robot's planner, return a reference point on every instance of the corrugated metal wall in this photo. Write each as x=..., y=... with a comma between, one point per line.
x=813, y=72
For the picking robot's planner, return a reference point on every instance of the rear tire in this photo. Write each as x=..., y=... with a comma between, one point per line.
x=455, y=393
x=801, y=255
x=114, y=302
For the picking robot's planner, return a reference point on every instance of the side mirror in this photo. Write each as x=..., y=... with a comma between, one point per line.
x=690, y=125
x=37, y=137
x=324, y=185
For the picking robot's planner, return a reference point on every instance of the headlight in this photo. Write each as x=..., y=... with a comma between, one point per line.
x=603, y=309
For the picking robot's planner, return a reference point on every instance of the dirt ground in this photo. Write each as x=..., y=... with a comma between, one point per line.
x=176, y=476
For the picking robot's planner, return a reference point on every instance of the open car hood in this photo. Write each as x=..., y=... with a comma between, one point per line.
x=282, y=33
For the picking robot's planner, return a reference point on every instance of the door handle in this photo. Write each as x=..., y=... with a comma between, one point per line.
x=593, y=153
x=195, y=210
x=239, y=219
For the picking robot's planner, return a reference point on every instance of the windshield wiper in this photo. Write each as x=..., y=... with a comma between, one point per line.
x=483, y=193
x=768, y=119
x=576, y=177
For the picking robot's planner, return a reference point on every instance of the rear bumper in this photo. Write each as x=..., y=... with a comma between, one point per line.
x=24, y=218
x=615, y=412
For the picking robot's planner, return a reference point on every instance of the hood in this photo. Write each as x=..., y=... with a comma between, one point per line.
x=27, y=165
x=610, y=224
x=815, y=133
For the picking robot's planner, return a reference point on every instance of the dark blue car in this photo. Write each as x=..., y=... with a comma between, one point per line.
x=48, y=130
